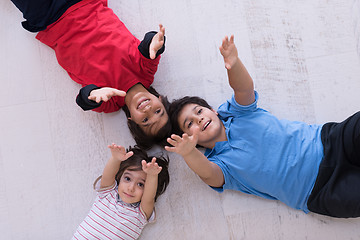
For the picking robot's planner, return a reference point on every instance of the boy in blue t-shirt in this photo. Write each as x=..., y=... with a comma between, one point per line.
x=308, y=167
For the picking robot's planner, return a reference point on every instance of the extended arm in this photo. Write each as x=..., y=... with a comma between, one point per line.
x=152, y=170
x=208, y=171
x=118, y=154
x=239, y=78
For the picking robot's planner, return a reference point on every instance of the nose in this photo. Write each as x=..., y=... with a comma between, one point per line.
x=131, y=187
x=199, y=119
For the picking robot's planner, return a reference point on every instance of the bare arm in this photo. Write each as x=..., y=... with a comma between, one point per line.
x=152, y=170
x=208, y=171
x=118, y=154
x=239, y=78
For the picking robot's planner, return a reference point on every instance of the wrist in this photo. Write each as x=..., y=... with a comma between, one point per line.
x=189, y=153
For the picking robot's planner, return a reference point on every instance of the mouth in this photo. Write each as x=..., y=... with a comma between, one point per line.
x=142, y=103
x=128, y=195
x=206, y=125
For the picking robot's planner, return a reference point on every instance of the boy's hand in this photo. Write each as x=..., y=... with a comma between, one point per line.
x=157, y=42
x=105, y=93
x=151, y=168
x=119, y=153
x=229, y=52
x=183, y=145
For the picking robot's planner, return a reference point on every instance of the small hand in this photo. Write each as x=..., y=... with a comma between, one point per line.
x=229, y=52
x=183, y=145
x=157, y=42
x=151, y=168
x=119, y=153
x=105, y=93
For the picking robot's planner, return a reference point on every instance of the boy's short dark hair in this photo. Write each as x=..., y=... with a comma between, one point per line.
x=133, y=163
x=177, y=105
x=147, y=141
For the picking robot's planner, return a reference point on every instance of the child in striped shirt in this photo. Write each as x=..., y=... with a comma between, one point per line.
x=126, y=194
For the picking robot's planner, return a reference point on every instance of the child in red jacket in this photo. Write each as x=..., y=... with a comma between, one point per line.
x=99, y=52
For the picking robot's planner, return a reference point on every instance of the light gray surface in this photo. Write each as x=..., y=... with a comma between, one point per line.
x=303, y=55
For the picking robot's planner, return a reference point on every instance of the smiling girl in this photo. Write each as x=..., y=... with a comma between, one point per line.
x=114, y=68
x=126, y=194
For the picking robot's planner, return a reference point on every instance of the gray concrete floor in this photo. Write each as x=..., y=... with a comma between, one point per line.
x=303, y=55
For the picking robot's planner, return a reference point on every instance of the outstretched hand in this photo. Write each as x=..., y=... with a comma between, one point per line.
x=229, y=52
x=104, y=94
x=151, y=168
x=183, y=145
x=119, y=153
x=157, y=42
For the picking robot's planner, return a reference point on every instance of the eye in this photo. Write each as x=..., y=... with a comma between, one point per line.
x=141, y=185
x=145, y=120
x=127, y=179
x=190, y=124
x=158, y=111
x=199, y=111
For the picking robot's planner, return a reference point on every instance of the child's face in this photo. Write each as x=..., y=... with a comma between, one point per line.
x=131, y=186
x=194, y=116
x=148, y=112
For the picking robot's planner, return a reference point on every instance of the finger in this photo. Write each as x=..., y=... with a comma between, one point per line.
x=104, y=98
x=176, y=137
x=129, y=154
x=93, y=98
x=225, y=41
x=152, y=54
x=170, y=149
x=119, y=147
x=172, y=142
x=223, y=44
x=162, y=29
x=144, y=164
x=232, y=38
x=119, y=93
x=185, y=137
x=153, y=160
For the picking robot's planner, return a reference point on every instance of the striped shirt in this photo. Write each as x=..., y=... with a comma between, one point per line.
x=110, y=218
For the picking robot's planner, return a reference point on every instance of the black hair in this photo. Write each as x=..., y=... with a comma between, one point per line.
x=177, y=105
x=144, y=140
x=133, y=163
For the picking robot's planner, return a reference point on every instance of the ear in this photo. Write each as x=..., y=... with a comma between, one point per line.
x=129, y=118
x=160, y=98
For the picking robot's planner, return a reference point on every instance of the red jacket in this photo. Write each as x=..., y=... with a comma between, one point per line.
x=95, y=47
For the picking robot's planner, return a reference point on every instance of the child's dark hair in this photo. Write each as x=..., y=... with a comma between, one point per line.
x=177, y=105
x=133, y=163
x=147, y=141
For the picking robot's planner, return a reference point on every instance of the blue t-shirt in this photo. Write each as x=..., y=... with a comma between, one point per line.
x=265, y=156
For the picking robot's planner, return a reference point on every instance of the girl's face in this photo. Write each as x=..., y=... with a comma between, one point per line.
x=148, y=112
x=131, y=186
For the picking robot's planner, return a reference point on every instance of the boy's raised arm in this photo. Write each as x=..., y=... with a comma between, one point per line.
x=239, y=78
x=208, y=171
x=118, y=154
